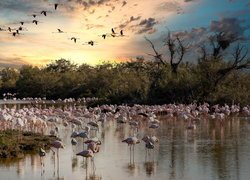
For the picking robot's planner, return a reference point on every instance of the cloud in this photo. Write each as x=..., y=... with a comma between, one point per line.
x=189, y=0
x=92, y=3
x=91, y=26
x=195, y=37
x=169, y=6
x=229, y=26
x=126, y=23
x=146, y=26
x=12, y=62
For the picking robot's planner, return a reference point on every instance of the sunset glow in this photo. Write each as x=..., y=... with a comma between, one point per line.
x=88, y=20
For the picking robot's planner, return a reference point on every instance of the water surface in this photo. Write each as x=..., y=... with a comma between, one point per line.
x=213, y=151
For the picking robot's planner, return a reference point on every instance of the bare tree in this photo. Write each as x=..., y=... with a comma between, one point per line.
x=240, y=61
x=221, y=41
x=176, y=48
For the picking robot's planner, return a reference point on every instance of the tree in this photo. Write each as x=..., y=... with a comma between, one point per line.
x=9, y=76
x=176, y=48
x=214, y=67
x=61, y=66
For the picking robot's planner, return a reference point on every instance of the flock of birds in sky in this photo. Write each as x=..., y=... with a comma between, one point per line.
x=17, y=31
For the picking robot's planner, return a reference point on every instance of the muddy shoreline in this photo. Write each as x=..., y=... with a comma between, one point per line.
x=15, y=144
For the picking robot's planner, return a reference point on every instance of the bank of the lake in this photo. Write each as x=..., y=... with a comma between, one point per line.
x=15, y=144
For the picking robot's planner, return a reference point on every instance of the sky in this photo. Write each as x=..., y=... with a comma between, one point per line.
x=87, y=20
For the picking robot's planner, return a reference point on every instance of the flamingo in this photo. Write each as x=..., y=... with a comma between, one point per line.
x=1, y=29
x=92, y=43
x=60, y=31
x=121, y=33
x=74, y=39
x=95, y=147
x=113, y=31
x=57, y=144
x=104, y=36
x=56, y=5
x=131, y=141
x=42, y=153
x=149, y=142
x=33, y=15
x=35, y=21
x=44, y=12
x=14, y=34
x=73, y=141
x=86, y=154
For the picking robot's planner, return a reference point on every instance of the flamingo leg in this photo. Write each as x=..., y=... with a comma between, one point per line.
x=133, y=153
x=58, y=163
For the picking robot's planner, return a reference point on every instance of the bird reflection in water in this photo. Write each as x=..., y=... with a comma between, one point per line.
x=133, y=168
x=150, y=167
x=74, y=163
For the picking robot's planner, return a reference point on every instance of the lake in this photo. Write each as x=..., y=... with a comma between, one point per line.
x=215, y=150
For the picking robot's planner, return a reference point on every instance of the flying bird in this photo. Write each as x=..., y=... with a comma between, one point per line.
x=113, y=31
x=121, y=33
x=56, y=5
x=22, y=29
x=1, y=29
x=45, y=12
x=104, y=36
x=9, y=29
x=92, y=43
x=59, y=31
x=33, y=15
x=74, y=39
x=14, y=34
x=35, y=21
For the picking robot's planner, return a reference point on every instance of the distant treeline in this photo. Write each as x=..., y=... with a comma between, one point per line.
x=132, y=82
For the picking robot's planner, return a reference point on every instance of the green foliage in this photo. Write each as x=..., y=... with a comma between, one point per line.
x=9, y=76
x=130, y=82
x=61, y=66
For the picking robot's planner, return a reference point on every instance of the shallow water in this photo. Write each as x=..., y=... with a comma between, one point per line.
x=212, y=151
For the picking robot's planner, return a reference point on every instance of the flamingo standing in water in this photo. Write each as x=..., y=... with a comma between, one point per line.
x=131, y=141
x=42, y=153
x=149, y=143
x=57, y=144
x=87, y=154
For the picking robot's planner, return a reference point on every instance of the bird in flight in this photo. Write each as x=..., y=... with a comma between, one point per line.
x=91, y=43
x=35, y=22
x=121, y=33
x=33, y=15
x=45, y=12
x=104, y=36
x=60, y=31
x=1, y=29
x=22, y=29
x=56, y=5
x=15, y=33
x=113, y=31
x=74, y=39
x=9, y=29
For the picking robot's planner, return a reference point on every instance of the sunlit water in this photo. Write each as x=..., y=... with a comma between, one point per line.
x=213, y=151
